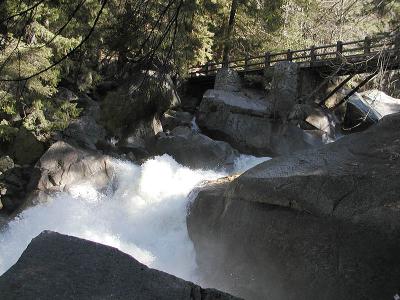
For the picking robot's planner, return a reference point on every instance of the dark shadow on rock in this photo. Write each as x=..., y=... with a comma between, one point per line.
x=56, y=266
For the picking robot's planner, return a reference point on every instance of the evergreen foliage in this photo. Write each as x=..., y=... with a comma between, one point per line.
x=37, y=35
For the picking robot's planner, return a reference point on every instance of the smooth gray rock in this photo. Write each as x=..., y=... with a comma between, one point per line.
x=245, y=123
x=365, y=109
x=56, y=266
x=63, y=165
x=317, y=224
x=195, y=149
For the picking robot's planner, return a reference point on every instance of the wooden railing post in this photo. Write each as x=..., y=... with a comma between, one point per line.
x=397, y=42
x=367, y=45
x=339, y=49
x=246, y=63
x=313, y=55
x=207, y=67
x=289, y=55
x=267, y=59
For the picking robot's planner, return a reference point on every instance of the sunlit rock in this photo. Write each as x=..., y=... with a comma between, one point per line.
x=63, y=165
x=317, y=224
x=245, y=122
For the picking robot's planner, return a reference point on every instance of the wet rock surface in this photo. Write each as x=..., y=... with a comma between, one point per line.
x=65, y=267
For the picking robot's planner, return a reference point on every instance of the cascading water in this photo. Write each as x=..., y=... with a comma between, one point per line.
x=143, y=213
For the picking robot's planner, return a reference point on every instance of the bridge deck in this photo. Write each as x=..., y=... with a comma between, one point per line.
x=354, y=57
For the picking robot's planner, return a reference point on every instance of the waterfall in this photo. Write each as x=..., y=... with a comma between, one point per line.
x=142, y=213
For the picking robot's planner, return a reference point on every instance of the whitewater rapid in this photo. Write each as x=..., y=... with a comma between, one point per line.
x=142, y=213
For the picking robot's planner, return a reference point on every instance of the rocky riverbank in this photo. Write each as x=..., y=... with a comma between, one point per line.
x=320, y=223
x=319, y=220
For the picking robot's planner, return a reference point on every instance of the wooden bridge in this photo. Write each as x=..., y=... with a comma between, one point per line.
x=361, y=56
x=370, y=55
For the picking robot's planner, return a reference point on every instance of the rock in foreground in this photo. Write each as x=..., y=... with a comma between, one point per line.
x=56, y=266
x=318, y=224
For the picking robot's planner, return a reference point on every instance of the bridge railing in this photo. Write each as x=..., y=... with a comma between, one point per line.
x=334, y=52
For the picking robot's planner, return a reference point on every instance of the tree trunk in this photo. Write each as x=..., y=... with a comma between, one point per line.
x=228, y=36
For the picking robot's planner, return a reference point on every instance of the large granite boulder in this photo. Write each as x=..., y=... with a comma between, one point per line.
x=63, y=165
x=317, y=224
x=245, y=122
x=195, y=149
x=143, y=96
x=56, y=266
x=367, y=108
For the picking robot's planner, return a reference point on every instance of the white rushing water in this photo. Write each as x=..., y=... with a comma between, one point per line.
x=143, y=214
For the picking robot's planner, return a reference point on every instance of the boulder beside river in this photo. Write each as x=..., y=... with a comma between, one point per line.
x=246, y=123
x=317, y=224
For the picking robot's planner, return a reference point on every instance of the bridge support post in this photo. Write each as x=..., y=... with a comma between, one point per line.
x=339, y=49
x=207, y=67
x=289, y=55
x=353, y=91
x=246, y=63
x=267, y=60
x=397, y=42
x=348, y=78
x=313, y=55
x=367, y=45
